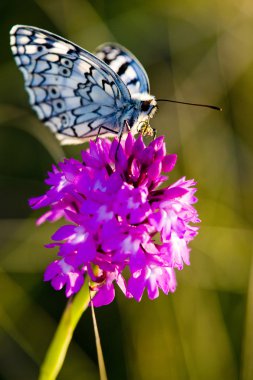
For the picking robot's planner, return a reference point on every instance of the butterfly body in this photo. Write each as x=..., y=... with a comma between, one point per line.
x=75, y=93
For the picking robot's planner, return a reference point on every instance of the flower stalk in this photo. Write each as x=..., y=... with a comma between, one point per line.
x=57, y=350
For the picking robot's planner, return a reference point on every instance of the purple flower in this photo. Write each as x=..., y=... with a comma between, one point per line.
x=122, y=226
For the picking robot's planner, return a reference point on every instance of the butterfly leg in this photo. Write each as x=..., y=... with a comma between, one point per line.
x=99, y=129
x=126, y=127
x=154, y=133
x=107, y=129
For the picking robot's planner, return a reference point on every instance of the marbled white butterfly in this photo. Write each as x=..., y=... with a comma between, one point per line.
x=78, y=94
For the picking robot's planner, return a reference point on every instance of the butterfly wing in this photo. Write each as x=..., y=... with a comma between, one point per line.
x=73, y=92
x=126, y=65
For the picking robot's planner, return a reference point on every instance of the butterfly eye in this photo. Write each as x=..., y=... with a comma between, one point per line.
x=145, y=106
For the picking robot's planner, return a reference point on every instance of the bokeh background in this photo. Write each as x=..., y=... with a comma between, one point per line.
x=199, y=51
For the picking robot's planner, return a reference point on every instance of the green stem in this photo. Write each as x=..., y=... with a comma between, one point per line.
x=58, y=348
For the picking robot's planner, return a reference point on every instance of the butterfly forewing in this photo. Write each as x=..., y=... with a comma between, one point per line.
x=72, y=91
x=126, y=65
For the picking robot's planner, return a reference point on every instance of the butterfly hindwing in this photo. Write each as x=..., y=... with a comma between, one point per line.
x=126, y=65
x=72, y=91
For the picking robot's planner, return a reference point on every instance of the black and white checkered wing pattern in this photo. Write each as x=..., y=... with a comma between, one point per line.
x=72, y=91
x=126, y=65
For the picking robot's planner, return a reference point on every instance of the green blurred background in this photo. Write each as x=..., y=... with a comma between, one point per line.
x=199, y=51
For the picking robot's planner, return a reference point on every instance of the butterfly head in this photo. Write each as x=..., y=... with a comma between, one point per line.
x=147, y=106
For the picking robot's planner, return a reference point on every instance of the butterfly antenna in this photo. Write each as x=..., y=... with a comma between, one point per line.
x=191, y=104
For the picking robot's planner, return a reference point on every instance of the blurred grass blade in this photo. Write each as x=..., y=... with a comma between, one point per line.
x=247, y=368
x=17, y=117
x=101, y=363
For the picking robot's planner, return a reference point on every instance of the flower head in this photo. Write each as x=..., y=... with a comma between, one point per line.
x=122, y=226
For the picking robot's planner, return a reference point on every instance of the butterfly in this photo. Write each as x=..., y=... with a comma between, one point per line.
x=79, y=95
